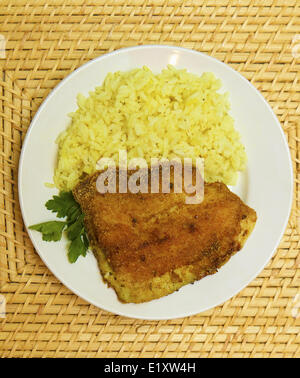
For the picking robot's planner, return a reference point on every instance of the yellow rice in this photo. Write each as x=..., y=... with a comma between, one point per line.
x=171, y=114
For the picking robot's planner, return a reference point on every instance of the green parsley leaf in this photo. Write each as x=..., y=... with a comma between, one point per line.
x=51, y=231
x=85, y=240
x=65, y=206
x=76, y=248
x=76, y=228
x=73, y=214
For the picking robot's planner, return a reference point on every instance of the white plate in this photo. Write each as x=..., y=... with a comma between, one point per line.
x=266, y=185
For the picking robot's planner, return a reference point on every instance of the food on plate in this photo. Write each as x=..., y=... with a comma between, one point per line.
x=150, y=244
x=166, y=115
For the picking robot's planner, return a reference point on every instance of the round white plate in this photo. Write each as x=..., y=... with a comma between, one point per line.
x=266, y=185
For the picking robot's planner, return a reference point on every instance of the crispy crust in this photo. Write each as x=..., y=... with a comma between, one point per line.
x=149, y=245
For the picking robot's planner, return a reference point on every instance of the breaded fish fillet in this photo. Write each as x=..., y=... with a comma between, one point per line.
x=150, y=244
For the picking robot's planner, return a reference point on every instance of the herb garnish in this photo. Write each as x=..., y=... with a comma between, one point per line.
x=65, y=206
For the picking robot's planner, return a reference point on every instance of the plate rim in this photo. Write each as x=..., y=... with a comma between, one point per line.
x=141, y=47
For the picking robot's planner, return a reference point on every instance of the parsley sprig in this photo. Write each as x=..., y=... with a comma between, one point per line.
x=65, y=206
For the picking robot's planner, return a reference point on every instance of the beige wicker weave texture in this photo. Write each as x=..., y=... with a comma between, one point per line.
x=46, y=40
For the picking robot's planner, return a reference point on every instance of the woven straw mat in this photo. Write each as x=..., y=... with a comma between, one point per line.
x=41, y=43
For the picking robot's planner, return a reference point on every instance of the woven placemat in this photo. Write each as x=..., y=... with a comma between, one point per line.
x=41, y=42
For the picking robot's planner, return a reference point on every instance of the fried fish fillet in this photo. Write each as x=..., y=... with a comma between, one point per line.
x=149, y=245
